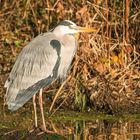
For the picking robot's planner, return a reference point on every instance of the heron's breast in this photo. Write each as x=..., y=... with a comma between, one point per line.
x=67, y=54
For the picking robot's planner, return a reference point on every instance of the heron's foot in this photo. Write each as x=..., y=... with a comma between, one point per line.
x=50, y=132
x=45, y=130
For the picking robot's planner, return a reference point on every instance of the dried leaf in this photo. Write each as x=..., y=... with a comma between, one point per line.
x=100, y=67
x=60, y=7
x=129, y=49
x=115, y=58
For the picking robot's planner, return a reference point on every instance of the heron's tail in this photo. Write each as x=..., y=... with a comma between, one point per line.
x=25, y=95
x=10, y=96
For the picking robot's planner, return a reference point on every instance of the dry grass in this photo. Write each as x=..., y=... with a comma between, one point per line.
x=105, y=71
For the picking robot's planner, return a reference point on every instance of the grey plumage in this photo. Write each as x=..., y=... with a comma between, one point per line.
x=45, y=59
x=36, y=62
x=26, y=94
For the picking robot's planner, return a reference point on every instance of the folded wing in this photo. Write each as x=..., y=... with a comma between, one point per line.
x=36, y=67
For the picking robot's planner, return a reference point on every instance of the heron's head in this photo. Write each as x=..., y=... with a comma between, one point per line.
x=68, y=27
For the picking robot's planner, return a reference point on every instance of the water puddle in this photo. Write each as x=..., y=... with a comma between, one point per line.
x=70, y=127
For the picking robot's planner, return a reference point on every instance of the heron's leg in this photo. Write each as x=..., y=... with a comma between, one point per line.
x=35, y=112
x=41, y=108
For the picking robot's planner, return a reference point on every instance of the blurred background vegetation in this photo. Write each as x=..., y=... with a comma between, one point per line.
x=105, y=72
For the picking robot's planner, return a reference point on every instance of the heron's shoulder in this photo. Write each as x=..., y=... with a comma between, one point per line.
x=40, y=41
x=43, y=39
x=48, y=35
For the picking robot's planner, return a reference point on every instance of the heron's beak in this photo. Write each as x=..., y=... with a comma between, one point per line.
x=85, y=29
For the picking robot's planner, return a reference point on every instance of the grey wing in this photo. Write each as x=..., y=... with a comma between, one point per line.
x=35, y=62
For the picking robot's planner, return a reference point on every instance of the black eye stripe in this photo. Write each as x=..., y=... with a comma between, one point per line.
x=73, y=27
x=65, y=23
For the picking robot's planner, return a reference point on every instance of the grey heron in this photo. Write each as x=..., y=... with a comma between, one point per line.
x=46, y=58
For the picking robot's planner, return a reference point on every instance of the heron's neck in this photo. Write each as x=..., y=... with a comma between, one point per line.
x=68, y=40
